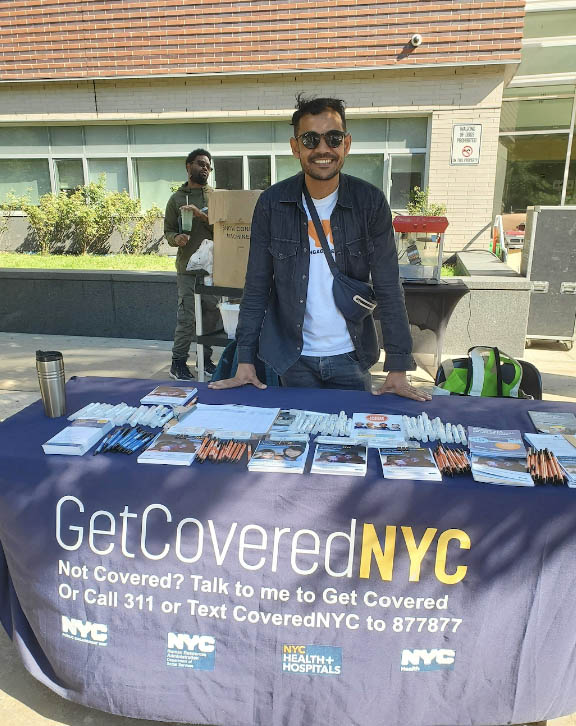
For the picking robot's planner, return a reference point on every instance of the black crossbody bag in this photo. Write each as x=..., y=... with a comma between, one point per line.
x=355, y=299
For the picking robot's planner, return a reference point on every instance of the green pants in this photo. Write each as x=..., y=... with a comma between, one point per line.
x=185, y=333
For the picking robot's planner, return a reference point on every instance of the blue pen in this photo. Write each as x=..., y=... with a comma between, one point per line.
x=128, y=438
x=104, y=441
x=132, y=440
x=117, y=435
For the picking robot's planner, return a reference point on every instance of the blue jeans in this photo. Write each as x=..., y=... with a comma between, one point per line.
x=333, y=371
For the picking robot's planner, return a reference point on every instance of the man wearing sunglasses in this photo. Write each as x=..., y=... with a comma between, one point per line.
x=288, y=316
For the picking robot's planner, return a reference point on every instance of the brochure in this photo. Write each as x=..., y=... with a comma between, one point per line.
x=557, y=444
x=169, y=448
x=167, y=395
x=78, y=437
x=412, y=464
x=229, y=417
x=501, y=470
x=496, y=442
x=378, y=429
x=550, y=422
x=340, y=459
x=286, y=455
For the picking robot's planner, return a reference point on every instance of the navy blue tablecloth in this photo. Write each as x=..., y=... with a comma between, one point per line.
x=212, y=595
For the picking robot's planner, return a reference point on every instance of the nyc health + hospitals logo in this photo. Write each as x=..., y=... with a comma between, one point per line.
x=84, y=631
x=435, y=659
x=312, y=660
x=186, y=650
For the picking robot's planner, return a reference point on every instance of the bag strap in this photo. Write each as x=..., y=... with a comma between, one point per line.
x=320, y=232
x=476, y=371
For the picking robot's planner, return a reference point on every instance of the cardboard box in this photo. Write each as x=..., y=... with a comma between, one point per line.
x=231, y=214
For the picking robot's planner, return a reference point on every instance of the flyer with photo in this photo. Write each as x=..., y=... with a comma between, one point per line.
x=416, y=464
x=280, y=455
x=340, y=459
x=168, y=448
x=501, y=470
x=378, y=429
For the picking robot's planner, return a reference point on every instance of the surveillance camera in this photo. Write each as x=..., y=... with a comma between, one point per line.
x=416, y=40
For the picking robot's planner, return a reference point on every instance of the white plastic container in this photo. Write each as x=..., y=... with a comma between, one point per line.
x=229, y=313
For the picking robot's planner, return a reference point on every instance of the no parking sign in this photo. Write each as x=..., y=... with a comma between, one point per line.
x=466, y=144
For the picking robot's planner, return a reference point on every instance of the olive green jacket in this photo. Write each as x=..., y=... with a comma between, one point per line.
x=172, y=225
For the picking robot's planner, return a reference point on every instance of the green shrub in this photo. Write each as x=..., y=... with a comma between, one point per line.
x=84, y=220
x=420, y=206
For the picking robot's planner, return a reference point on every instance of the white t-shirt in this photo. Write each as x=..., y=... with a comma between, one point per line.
x=324, y=331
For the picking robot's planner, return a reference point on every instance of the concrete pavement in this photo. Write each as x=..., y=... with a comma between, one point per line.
x=23, y=700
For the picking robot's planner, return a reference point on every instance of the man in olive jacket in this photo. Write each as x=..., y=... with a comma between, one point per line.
x=191, y=197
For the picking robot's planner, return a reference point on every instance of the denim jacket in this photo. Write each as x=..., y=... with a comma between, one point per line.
x=274, y=301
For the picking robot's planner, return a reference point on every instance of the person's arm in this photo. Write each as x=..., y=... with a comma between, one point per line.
x=259, y=277
x=389, y=293
x=174, y=237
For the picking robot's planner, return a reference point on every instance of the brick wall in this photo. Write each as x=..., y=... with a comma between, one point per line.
x=60, y=39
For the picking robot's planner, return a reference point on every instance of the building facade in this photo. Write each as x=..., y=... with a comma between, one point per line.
x=129, y=89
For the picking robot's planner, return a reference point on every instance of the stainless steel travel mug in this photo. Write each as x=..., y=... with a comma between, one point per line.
x=50, y=368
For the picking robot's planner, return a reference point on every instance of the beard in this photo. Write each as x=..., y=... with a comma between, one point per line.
x=319, y=173
x=198, y=177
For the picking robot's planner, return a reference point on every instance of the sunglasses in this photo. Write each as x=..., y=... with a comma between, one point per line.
x=311, y=139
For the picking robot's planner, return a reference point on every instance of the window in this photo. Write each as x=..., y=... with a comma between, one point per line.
x=23, y=139
x=259, y=172
x=369, y=167
x=227, y=172
x=66, y=139
x=406, y=172
x=177, y=138
x=536, y=114
x=155, y=177
x=69, y=174
x=115, y=171
x=286, y=166
x=534, y=170
x=24, y=177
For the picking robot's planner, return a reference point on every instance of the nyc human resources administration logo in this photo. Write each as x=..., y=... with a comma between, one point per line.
x=186, y=650
x=435, y=659
x=312, y=660
x=84, y=631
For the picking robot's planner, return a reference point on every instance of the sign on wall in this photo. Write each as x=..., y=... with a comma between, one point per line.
x=466, y=144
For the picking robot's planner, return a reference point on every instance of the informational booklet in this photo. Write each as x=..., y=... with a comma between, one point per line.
x=551, y=422
x=167, y=395
x=278, y=454
x=340, y=459
x=556, y=444
x=496, y=442
x=169, y=448
x=378, y=429
x=229, y=417
x=501, y=470
x=411, y=464
x=77, y=438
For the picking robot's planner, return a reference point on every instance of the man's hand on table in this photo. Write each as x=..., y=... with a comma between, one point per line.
x=397, y=382
x=246, y=373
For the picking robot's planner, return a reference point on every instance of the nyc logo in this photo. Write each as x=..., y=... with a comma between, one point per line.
x=84, y=631
x=417, y=660
x=185, y=650
x=327, y=231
